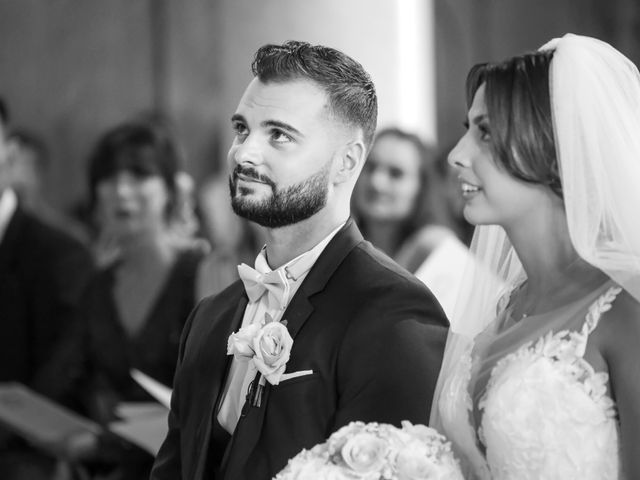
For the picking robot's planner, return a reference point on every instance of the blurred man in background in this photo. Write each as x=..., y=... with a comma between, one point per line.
x=43, y=272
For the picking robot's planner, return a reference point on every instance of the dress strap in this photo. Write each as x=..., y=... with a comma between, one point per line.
x=600, y=306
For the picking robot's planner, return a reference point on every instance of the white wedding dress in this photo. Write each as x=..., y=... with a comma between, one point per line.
x=523, y=403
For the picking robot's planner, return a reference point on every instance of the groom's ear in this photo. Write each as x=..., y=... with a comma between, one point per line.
x=350, y=159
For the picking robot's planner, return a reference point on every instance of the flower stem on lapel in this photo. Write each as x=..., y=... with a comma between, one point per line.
x=256, y=390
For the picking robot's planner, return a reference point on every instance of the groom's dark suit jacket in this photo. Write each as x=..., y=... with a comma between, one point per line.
x=372, y=334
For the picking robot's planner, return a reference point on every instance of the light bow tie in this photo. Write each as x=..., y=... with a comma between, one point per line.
x=256, y=284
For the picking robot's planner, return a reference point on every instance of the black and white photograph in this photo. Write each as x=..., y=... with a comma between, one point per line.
x=319, y=240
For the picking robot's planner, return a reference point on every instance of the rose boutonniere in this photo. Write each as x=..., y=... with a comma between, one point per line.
x=268, y=346
x=240, y=344
x=272, y=346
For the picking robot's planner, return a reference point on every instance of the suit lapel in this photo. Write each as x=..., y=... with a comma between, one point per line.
x=11, y=239
x=301, y=307
x=234, y=308
x=234, y=325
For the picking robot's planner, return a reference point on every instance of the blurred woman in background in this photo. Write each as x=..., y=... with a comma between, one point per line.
x=135, y=308
x=399, y=202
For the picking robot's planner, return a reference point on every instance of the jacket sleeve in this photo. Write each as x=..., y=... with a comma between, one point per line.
x=390, y=358
x=64, y=282
x=168, y=462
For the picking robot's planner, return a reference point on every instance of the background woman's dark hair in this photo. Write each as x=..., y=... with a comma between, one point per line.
x=142, y=147
x=519, y=110
x=429, y=205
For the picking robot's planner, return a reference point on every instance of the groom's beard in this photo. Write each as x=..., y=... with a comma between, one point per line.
x=283, y=207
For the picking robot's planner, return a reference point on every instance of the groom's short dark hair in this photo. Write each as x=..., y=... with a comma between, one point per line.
x=351, y=93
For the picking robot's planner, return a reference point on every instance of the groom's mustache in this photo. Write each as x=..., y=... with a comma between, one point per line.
x=250, y=172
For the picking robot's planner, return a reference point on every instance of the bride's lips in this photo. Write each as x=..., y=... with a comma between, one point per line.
x=469, y=189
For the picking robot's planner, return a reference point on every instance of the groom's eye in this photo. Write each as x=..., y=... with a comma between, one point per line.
x=240, y=130
x=278, y=136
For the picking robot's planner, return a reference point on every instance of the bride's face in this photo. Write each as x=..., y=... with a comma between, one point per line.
x=491, y=195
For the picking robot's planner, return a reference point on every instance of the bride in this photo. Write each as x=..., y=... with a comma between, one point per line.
x=540, y=378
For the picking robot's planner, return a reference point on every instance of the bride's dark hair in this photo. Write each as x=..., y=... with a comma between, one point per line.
x=519, y=110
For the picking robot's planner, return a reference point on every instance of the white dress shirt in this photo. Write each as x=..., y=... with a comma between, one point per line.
x=8, y=205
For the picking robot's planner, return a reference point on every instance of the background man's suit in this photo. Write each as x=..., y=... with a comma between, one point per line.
x=43, y=272
x=372, y=334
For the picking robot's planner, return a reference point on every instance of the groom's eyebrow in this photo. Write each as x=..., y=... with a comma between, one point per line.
x=236, y=117
x=282, y=125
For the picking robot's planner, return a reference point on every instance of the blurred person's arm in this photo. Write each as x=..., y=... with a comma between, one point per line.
x=62, y=285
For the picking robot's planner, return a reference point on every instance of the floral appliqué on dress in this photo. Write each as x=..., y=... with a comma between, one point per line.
x=546, y=412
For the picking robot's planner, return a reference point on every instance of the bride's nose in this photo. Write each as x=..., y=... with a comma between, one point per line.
x=457, y=156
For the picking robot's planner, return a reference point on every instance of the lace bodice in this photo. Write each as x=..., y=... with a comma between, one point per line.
x=544, y=413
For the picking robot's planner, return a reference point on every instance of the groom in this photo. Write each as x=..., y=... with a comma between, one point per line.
x=332, y=331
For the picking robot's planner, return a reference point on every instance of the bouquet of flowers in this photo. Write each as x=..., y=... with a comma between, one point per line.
x=376, y=451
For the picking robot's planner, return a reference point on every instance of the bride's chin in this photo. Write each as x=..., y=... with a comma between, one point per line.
x=474, y=217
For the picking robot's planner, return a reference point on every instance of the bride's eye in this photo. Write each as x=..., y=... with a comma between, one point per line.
x=485, y=132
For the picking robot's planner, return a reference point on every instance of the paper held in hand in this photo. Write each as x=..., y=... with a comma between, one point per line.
x=143, y=424
x=40, y=421
x=156, y=389
x=48, y=425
